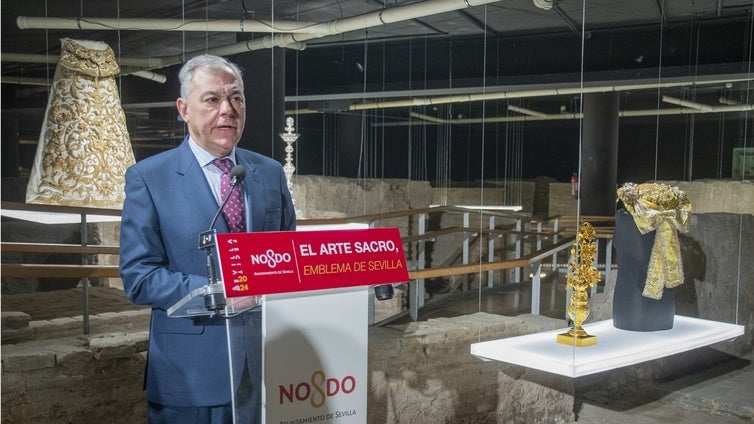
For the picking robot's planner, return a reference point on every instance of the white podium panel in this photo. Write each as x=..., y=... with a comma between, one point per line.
x=315, y=356
x=614, y=349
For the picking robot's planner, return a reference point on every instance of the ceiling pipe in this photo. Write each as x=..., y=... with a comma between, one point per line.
x=382, y=3
x=307, y=30
x=498, y=119
x=139, y=24
x=525, y=111
x=685, y=103
x=563, y=91
x=263, y=43
x=534, y=115
x=727, y=101
x=692, y=111
x=335, y=27
x=568, y=116
x=148, y=75
x=546, y=117
x=227, y=25
x=50, y=59
x=383, y=17
x=43, y=58
x=428, y=118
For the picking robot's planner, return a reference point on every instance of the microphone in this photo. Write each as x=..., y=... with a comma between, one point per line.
x=237, y=174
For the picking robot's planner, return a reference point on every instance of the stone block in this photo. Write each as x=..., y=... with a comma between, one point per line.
x=331, y=197
x=708, y=196
x=15, y=327
x=17, y=336
x=14, y=320
x=719, y=274
x=117, y=345
x=424, y=372
x=21, y=363
x=26, y=357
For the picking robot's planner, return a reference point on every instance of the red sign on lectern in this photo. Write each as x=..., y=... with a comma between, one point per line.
x=291, y=261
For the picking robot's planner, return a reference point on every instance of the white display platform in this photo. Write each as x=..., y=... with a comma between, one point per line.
x=614, y=349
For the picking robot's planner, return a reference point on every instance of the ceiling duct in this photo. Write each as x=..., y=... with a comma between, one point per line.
x=139, y=24
x=291, y=38
x=41, y=58
x=544, y=4
x=554, y=5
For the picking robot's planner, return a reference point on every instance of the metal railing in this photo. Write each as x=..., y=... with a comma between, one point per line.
x=82, y=271
x=507, y=241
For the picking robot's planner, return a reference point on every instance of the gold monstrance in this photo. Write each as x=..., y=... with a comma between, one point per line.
x=581, y=275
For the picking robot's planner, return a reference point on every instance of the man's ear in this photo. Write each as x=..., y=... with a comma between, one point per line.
x=182, y=106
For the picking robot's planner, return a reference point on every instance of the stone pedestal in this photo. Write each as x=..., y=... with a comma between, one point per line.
x=631, y=310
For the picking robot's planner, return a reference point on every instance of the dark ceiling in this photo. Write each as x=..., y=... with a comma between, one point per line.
x=347, y=21
x=406, y=18
x=705, y=51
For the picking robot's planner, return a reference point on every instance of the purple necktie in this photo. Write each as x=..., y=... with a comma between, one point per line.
x=233, y=210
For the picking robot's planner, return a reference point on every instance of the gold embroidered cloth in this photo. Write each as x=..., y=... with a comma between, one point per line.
x=84, y=147
x=664, y=209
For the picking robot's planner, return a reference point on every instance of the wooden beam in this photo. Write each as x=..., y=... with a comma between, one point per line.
x=59, y=271
x=7, y=247
x=59, y=209
x=466, y=269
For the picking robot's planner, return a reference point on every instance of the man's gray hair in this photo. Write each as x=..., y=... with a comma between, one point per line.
x=210, y=63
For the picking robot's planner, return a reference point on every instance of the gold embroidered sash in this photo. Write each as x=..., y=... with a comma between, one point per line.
x=665, y=209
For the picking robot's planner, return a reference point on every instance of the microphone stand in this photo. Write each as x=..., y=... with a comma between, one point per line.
x=214, y=298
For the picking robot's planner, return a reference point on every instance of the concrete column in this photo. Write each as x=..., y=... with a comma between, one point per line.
x=349, y=128
x=599, y=154
x=10, y=149
x=264, y=85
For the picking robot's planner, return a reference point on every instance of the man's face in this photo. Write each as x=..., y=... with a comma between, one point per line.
x=215, y=111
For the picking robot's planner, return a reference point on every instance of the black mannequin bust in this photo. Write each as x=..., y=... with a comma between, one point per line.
x=631, y=310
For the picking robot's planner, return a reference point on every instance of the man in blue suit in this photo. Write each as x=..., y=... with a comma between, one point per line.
x=170, y=199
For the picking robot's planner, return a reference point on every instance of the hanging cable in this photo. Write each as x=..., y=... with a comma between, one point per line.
x=47, y=49
x=206, y=20
x=382, y=127
x=506, y=143
x=296, y=57
x=120, y=74
x=720, y=144
x=273, y=123
x=692, y=119
x=183, y=33
x=362, y=148
x=481, y=166
x=184, y=128
x=468, y=148
x=410, y=130
x=747, y=143
x=659, y=94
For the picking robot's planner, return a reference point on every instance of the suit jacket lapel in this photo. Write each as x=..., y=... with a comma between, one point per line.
x=253, y=186
x=193, y=184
